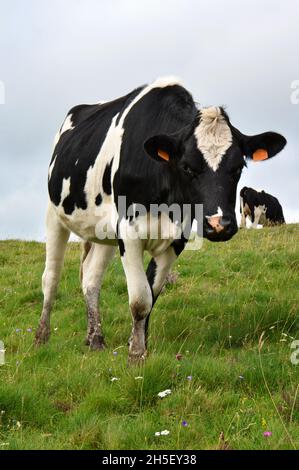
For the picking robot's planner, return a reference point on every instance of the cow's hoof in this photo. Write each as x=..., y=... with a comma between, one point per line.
x=95, y=343
x=42, y=335
x=136, y=358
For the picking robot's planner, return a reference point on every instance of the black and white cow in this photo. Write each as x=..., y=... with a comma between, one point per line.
x=152, y=146
x=260, y=207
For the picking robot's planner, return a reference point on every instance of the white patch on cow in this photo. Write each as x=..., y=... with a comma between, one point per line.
x=219, y=213
x=162, y=82
x=66, y=183
x=67, y=125
x=51, y=168
x=259, y=212
x=56, y=139
x=96, y=222
x=213, y=136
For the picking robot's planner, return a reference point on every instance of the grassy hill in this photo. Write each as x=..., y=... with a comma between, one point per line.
x=232, y=314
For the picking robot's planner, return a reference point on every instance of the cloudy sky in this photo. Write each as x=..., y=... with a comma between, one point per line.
x=58, y=53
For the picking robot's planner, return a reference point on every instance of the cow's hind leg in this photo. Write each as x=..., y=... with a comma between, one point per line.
x=94, y=262
x=57, y=237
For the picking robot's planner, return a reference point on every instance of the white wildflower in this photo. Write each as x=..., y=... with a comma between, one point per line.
x=162, y=433
x=164, y=393
x=114, y=379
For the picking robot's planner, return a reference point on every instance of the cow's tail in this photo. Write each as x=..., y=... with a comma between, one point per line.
x=85, y=249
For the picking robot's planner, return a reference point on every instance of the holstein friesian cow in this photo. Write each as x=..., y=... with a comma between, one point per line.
x=260, y=207
x=152, y=146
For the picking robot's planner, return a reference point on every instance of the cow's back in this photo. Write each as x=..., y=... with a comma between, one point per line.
x=100, y=154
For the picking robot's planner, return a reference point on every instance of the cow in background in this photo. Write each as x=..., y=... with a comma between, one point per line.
x=261, y=207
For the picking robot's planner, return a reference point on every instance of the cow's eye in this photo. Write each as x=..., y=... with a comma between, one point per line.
x=188, y=171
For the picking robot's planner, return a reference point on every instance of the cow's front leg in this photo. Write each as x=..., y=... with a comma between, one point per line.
x=243, y=220
x=140, y=295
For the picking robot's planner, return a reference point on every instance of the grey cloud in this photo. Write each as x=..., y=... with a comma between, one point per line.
x=55, y=54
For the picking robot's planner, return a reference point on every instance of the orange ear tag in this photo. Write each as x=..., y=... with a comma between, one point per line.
x=259, y=155
x=163, y=155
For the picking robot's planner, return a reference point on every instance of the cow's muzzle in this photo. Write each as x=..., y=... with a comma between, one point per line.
x=219, y=229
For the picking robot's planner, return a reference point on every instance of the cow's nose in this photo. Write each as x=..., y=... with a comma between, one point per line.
x=216, y=223
x=219, y=228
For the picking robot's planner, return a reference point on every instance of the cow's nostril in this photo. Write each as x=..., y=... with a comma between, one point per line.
x=225, y=222
x=216, y=223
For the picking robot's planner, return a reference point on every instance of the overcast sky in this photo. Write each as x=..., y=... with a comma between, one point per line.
x=58, y=53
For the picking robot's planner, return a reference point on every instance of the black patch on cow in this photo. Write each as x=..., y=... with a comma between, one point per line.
x=69, y=204
x=121, y=247
x=107, y=178
x=99, y=199
x=179, y=244
x=151, y=272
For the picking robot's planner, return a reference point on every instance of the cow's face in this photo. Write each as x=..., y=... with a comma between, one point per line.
x=206, y=161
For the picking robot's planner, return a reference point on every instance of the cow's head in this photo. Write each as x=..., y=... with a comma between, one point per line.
x=207, y=159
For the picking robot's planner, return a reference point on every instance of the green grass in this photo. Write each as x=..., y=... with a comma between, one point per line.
x=227, y=295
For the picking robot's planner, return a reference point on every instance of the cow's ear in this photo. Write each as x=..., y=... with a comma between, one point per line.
x=162, y=147
x=262, y=146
